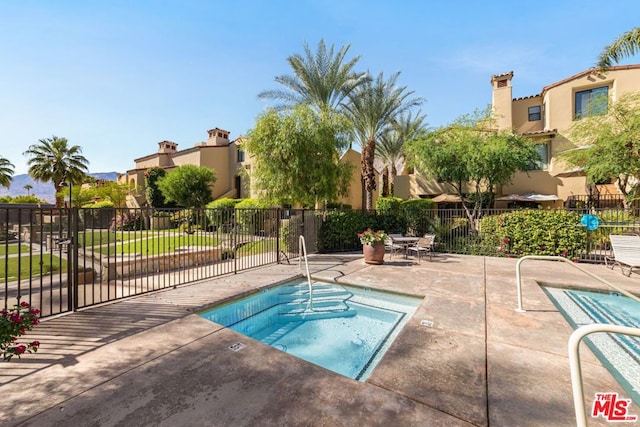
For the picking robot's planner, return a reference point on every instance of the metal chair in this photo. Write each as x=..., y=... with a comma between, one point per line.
x=391, y=246
x=424, y=245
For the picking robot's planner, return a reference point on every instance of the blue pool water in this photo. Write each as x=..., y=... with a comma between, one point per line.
x=620, y=354
x=345, y=329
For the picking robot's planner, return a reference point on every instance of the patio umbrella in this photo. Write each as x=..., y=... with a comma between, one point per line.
x=447, y=198
x=528, y=197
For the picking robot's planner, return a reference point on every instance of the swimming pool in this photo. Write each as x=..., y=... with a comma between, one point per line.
x=620, y=354
x=344, y=328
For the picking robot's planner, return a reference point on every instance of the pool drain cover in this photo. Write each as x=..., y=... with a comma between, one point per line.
x=237, y=346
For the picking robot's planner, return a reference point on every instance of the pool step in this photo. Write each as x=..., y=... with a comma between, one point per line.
x=294, y=293
x=282, y=331
x=317, y=314
x=329, y=301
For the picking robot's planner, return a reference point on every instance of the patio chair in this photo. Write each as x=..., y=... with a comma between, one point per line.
x=391, y=246
x=626, y=252
x=424, y=245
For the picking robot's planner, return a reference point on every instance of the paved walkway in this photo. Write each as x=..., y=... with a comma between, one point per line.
x=149, y=360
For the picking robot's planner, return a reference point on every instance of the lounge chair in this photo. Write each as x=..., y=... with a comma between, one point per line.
x=424, y=245
x=626, y=253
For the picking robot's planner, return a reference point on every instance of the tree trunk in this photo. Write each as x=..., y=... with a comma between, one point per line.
x=368, y=172
x=392, y=178
x=385, y=181
x=59, y=197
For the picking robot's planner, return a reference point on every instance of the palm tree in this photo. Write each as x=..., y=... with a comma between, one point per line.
x=52, y=159
x=321, y=79
x=28, y=187
x=390, y=150
x=6, y=172
x=627, y=44
x=372, y=108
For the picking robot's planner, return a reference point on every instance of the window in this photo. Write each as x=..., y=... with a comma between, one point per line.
x=591, y=102
x=543, y=163
x=240, y=155
x=534, y=113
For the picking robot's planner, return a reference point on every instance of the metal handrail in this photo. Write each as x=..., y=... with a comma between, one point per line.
x=568, y=261
x=303, y=252
x=576, y=368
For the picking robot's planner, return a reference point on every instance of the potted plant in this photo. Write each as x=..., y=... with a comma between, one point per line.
x=373, y=245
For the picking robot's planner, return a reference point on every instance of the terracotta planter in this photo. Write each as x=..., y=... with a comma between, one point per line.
x=374, y=253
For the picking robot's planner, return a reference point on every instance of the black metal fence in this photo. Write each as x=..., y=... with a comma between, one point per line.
x=60, y=260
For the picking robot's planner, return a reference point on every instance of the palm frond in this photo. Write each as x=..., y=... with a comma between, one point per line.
x=626, y=45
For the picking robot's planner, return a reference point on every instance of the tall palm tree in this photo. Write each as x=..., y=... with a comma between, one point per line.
x=322, y=79
x=6, y=172
x=52, y=159
x=28, y=187
x=390, y=150
x=627, y=44
x=372, y=107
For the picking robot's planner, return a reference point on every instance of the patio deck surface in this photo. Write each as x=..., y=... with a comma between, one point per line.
x=149, y=360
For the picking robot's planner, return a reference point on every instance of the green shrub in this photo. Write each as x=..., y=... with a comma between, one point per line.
x=612, y=221
x=251, y=215
x=220, y=212
x=100, y=205
x=387, y=205
x=418, y=216
x=389, y=215
x=339, y=230
x=535, y=232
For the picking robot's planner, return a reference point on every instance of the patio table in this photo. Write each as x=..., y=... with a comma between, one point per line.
x=405, y=241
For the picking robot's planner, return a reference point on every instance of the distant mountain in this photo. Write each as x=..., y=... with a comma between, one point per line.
x=43, y=190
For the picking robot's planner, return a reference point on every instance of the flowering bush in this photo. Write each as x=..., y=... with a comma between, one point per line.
x=368, y=236
x=16, y=322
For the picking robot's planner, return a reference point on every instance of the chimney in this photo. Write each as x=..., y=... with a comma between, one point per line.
x=167, y=147
x=218, y=136
x=502, y=100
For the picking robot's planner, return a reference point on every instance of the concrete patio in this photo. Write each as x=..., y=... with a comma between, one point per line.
x=149, y=360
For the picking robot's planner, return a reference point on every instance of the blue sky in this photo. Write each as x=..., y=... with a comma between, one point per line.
x=116, y=77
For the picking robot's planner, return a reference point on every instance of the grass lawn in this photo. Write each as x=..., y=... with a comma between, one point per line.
x=13, y=249
x=156, y=245
x=257, y=247
x=30, y=266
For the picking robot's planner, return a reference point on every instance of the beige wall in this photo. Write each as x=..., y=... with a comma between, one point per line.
x=416, y=185
x=521, y=123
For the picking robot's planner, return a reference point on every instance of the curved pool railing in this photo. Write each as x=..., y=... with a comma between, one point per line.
x=576, y=368
x=567, y=261
x=303, y=255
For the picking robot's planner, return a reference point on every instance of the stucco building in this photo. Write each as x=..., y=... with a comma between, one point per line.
x=218, y=152
x=547, y=118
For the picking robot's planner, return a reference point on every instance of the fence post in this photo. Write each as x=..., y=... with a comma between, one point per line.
x=278, y=219
x=74, y=255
